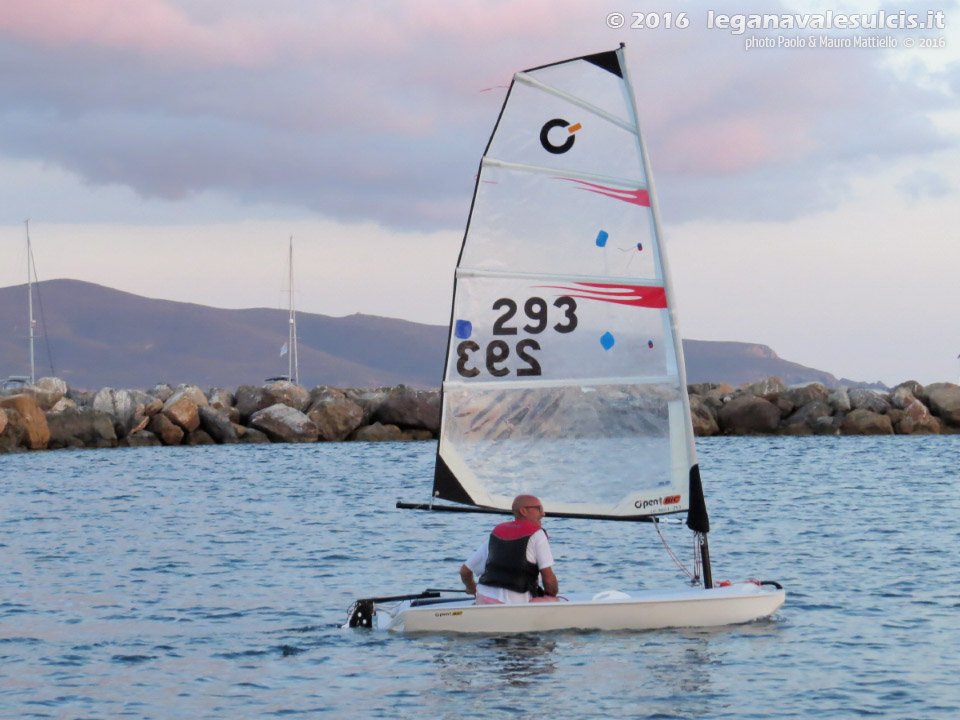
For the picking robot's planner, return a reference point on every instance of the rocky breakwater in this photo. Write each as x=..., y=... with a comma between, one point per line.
x=50, y=415
x=769, y=407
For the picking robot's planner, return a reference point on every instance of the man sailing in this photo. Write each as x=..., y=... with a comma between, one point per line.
x=516, y=556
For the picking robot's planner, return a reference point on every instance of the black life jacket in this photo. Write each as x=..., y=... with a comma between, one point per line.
x=507, y=565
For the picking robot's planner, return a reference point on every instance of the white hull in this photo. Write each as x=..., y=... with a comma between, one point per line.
x=612, y=610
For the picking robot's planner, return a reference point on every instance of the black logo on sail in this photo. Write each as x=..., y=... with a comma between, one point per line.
x=566, y=144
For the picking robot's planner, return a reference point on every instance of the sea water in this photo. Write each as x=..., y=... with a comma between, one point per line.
x=213, y=582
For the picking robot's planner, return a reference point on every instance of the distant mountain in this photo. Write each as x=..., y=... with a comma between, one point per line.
x=100, y=337
x=740, y=362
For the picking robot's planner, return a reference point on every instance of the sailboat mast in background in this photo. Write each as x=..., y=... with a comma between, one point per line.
x=31, y=271
x=293, y=369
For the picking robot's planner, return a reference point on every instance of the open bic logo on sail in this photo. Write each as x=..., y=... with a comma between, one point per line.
x=657, y=502
x=566, y=144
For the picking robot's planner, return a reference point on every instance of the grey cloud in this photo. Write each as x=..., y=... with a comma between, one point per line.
x=925, y=184
x=397, y=139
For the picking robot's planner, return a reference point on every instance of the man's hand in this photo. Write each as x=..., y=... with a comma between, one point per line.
x=550, y=585
x=466, y=575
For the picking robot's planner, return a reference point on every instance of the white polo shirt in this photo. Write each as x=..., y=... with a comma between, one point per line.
x=538, y=552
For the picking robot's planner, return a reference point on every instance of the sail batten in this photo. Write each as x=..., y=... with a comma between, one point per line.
x=589, y=107
x=570, y=277
x=588, y=384
x=572, y=174
x=562, y=375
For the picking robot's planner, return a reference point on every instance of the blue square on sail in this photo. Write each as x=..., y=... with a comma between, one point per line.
x=602, y=238
x=463, y=329
x=607, y=341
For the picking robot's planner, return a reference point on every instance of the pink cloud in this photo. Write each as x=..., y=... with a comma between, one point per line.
x=146, y=27
x=733, y=145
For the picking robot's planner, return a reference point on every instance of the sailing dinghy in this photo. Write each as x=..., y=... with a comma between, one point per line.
x=564, y=372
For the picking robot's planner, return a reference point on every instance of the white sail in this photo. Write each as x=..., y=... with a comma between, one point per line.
x=564, y=374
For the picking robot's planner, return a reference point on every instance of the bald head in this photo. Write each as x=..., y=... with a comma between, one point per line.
x=527, y=507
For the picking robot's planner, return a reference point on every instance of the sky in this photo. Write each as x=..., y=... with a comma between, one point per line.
x=809, y=195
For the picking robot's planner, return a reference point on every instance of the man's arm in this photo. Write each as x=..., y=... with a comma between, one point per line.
x=550, y=585
x=466, y=575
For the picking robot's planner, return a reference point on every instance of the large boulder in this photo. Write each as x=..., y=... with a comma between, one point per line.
x=944, y=402
x=182, y=408
x=718, y=396
x=217, y=425
x=866, y=422
x=30, y=418
x=806, y=394
x=162, y=392
x=914, y=388
x=282, y=423
x=3, y=420
x=62, y=404
x=749, y=415
x=700, y=388
x=828, y=425
x=368, y=400
x=805, y=420
x=164, y=428
x=380, y=433
x=54, y=385
x=44, y=398
x=784, y=405
x=290, y=394
x=864, y=399
x=83, y=398
x=704, y=419
x=334, y=415
x=917, y=420
x=13, y=435
x=253, y=436
x=410, y=409
x=197, y=437
x=839, y=400
x=140, y=438
x=122, y=407
x=221, y=399
x=901, y=397
x=250, y=399
x=153, y=407
x=193, y=392
x=81, y=427
x=766, y=388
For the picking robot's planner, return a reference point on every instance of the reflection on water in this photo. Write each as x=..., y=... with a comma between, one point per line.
x=488, y=662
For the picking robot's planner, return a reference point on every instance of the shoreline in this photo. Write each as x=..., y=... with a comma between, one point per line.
x=49, y=415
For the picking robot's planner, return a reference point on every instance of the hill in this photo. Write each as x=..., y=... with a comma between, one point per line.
x=101, y=337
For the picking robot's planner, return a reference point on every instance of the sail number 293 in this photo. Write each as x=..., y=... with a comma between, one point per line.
x=536, y=318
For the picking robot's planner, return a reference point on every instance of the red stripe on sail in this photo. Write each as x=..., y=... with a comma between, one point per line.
x=637, y=196
x=648, y=297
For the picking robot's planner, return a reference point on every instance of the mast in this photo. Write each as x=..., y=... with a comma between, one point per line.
x=293, y=367
x=32, y=322
x=697, y=516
